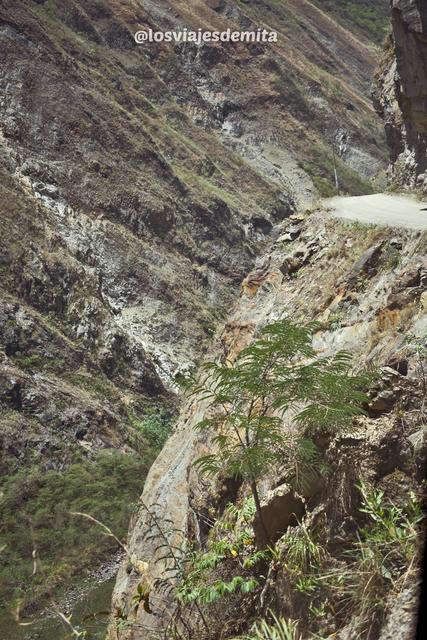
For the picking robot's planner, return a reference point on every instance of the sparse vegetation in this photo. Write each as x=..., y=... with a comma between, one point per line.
x=228, y=566
x=278, y=375
x=231, y=540
x=320, y=167
x=35, y=516
x=370, y=19
x=333, y=591
x=278, y=629
x=155, y=427
x=325, y=188
x=371, y=568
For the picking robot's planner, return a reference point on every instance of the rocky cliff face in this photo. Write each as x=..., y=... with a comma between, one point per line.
x=400, y=93
x=368, y=286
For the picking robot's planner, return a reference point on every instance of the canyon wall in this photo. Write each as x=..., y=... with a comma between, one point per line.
x=367, y=286
x=400, y=93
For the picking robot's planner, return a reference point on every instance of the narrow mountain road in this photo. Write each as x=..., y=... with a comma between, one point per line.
x=382, y=209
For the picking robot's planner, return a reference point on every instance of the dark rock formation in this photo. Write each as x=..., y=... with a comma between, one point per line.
x=400, y=93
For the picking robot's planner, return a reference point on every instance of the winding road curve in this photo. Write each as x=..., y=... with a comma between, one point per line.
x=382, y=209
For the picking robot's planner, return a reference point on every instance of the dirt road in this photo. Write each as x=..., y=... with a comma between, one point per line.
x=382, y=209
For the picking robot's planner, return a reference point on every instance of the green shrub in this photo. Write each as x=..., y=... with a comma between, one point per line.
x=155, y=428
x=279, y=629
x=279, y=374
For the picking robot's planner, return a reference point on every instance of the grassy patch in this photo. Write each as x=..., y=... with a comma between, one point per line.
x=35, y=508
x=366, y=17
x=96, y=385
x=325, y=188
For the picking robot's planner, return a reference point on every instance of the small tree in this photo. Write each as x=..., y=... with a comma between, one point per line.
x=280, y=373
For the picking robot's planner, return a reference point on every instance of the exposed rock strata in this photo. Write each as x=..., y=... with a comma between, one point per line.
x=400, y=93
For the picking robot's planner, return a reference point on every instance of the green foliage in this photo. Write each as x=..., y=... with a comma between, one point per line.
x=385, y=549
x=279, y=629
x=35, y=515
x=231, y=542
x=304, y=554
x=28, y=361
x=279, y=375
x=370, y=20
x=207, y=594
x=142, y=597
x=325, y=188
x=392, y=530
x=359, y=584
x=229, y=564
x=155, y=428
x=304, y=558
x=320, y=167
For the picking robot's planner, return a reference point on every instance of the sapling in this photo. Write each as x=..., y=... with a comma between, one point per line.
x=279, y=374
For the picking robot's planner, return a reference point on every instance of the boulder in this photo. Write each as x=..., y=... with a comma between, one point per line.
x=365, y=265
x=280, y=508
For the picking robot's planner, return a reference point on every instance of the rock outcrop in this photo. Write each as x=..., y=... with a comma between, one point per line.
x=400, y=93
x=349, y=281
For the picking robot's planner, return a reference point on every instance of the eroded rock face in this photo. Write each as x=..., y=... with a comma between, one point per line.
x=137, y=184
x=400, y=93
x=346, y=280
x=280, y=509
x=401, y=622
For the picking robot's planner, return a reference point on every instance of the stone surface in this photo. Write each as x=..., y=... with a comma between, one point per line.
x=400, y=93
x=280, y=508
x=351, y=320
x=401, y=622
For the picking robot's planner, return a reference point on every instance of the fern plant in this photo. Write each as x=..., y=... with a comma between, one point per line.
x=280, y=373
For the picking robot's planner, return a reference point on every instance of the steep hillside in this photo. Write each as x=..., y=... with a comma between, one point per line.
x=138, y=184
x=370, y=18
x=367, y=287
x=125, y=221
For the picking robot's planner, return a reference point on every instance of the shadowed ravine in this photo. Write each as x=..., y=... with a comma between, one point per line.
x=97, y=599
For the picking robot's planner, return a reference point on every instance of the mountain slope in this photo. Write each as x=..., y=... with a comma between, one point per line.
x=117, y=154
x=138, y=184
